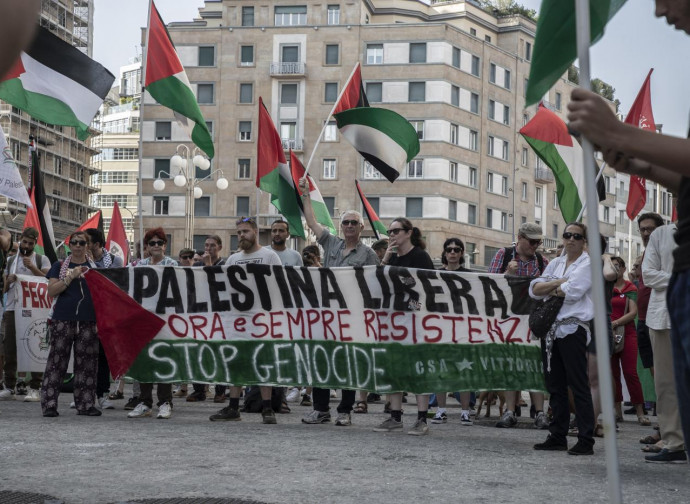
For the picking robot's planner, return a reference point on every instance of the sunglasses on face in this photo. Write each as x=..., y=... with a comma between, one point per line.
x=350, y=222
x=156, y=243
x=532, y=243
x=574, y=236
x=81, y=243
x=457, y=250
x=395, y=231
x=186, y=257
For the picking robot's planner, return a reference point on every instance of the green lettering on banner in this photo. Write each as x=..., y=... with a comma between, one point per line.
x=387, y=367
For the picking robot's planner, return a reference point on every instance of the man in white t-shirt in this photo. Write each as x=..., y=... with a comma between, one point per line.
x=250, y=253
x=25, y=262
x=280, y=234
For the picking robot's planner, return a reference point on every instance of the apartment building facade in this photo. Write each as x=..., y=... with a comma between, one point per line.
x=455, y=71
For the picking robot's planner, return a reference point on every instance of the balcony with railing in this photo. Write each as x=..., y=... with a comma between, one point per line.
x=543, y=175
x=287, y=69
x=292, y=143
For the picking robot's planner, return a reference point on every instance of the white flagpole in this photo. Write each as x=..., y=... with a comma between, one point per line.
x=140, y=202
x=584, y=207
x=601, y=321
x=318, y=140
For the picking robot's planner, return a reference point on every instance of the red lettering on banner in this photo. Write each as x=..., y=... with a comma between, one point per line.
x=44, y=299
x=327, y=318
x=369, y=317
x=383, y=336
x=217, y=326
x=198, y=323
x=453, y=321
x=255, y=321
x=471, y=330
x=496, y=329
x=516, y=322
x=343, y=325
x=297, y=320
x=428, y=327
x=175, y=328
x=239, y=325
x=274, y=324
x=34, y=295
x=403, y=329
x=312, y=318
x=25, y=292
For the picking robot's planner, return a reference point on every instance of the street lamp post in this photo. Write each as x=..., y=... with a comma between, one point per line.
x=184, y=166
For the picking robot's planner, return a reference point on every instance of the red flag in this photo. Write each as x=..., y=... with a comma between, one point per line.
x=354, y=95
x=124, y=327
x=376, y=224
x=117, y=238
x=641, y=116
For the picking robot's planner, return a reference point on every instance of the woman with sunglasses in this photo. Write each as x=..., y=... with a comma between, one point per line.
x=453, y=259
x=564, y=349
x=72, y=323
x=406, y=248
x=623, y=313
x=155, y=240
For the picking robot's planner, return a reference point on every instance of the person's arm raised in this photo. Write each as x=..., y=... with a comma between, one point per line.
x=309, y=216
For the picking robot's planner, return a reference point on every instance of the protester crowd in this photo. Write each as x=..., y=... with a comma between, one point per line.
x=568, y=348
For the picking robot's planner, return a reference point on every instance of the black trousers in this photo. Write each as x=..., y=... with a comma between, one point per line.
x=569, y=369
x=103, y=376
x=323, y=396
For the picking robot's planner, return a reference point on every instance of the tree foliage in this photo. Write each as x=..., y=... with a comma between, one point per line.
x=506, y=8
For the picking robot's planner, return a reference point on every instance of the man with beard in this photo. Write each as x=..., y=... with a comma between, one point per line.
x=280, y=234
x=103, y=259
x=25, y=262
x=211, y=257
x=250, y=253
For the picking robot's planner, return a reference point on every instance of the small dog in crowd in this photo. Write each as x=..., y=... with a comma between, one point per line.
x=489, y=397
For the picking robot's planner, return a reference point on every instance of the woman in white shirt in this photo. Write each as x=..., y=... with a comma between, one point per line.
x=564, y=350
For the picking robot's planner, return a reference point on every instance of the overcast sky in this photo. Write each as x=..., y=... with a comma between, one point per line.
x=634, y=42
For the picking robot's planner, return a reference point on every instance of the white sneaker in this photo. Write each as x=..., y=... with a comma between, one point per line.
x=6, y=395
x=333, y=394
x=105, y=403
x=73, y=405
x=293, y=395
x=32, y=395
x=140, y=411
x=164, y=411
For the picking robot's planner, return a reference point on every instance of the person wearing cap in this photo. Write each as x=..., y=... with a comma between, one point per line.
x=186, y=257
x=25, y=262
x=522, y=259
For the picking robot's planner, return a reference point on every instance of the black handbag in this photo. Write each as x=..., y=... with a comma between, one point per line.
x=544, y=315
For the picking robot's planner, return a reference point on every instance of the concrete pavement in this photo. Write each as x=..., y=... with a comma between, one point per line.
x=115, y=459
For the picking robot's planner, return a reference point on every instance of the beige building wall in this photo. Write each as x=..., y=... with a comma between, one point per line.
x=453, y=202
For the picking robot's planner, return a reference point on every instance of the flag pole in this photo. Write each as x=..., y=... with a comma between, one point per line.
x=601, y=321
x=140, y=202
x=318, y=140
x=596, y=181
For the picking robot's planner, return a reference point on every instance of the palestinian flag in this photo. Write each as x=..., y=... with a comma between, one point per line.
x=38, y=216
x=376, y=224
x=117, y=243
x=555, y=45
x=321, y=213
x=383, y=137
x=273, y=174
x=57, y=83
x=353, y=95
x=548, y=136
x=167, y=82
x=640, y=116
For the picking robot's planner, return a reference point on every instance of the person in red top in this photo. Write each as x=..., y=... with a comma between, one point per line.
x=623, y=313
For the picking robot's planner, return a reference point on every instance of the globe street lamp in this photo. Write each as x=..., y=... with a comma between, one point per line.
x=184, y=164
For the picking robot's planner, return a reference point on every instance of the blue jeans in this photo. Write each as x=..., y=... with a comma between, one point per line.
x=678, y=301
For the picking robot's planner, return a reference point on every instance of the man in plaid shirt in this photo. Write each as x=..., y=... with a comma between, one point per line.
x=523, y=260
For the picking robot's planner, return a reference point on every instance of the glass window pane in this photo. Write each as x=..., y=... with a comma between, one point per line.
x=374, y=92
x=242, y=205
x=163, y=130
x=417, y=91
x=413, y=207
x=205, y=93
x=207, y=56
x=247, y=16
x=332, y=51
x=202, y=206
x=331, y=92
x=288, y=94
x=290, y=54
x=246, y=93
x=247, y=56
x=418, y=52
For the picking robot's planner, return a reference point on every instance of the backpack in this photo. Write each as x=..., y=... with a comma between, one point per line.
x=39, y=260
x=508, y=254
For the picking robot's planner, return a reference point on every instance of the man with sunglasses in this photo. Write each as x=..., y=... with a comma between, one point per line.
x=251, y=252
x=347, y=251
x=522, y=259
x=25, y=262
x=186, y=257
